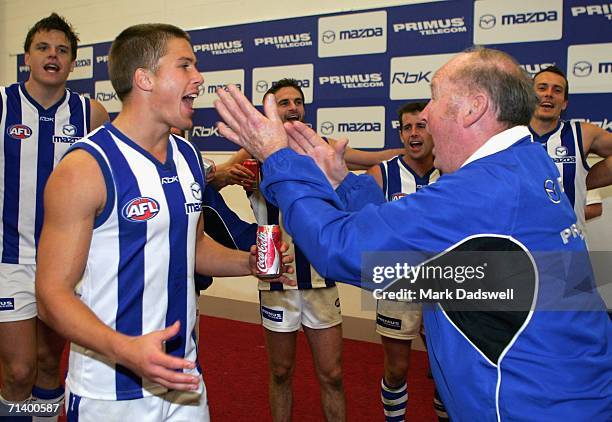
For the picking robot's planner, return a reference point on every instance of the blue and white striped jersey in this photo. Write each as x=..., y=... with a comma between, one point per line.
x=564, y=146
x=400, y=180
x=140, y=268
x=33, y=141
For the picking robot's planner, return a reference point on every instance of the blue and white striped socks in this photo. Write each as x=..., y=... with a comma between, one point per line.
x=394, y=401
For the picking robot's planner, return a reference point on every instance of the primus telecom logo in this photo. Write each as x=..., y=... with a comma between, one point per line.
x=352, y=81
x=285, y=41
x=433, y=26
x=217, y=48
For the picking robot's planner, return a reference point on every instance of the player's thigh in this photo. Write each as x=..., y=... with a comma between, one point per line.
x=398, y=320
x=17, y=315
x=18, y=345
x=320, y=308
x=281, y=310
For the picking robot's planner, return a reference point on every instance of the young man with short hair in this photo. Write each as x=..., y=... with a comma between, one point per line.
x=39, y=120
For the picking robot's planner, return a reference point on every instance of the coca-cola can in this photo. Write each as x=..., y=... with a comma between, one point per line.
x=269, y=256
x=253, y=165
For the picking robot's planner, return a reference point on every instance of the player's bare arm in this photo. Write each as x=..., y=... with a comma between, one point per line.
x=99, y=115
x=598, y=141
x=232, y=172
x=74, y=195
x=363, y=160
x=375, y=172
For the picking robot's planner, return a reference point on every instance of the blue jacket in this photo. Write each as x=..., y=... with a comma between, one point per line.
x=551, y=361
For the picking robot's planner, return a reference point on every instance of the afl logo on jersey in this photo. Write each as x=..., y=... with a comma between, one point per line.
x=140, y=209
x=398, y=195
x=19, y=131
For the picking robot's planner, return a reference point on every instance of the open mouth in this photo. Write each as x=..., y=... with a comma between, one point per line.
x=415, y=144
x=50, y=67
x=292, y=117
x=189, y=99
x=547, y=105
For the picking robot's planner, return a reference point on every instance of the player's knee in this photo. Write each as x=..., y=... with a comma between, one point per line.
x=332, y=377
x=281, y=373
x=19, y=374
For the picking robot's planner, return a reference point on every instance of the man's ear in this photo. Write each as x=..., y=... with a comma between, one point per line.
x=143, y=79
x=477, y=106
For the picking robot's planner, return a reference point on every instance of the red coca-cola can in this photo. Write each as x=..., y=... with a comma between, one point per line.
x=269, y=256
x=253, y=165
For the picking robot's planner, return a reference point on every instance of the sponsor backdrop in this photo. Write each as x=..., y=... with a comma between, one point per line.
x=357, y=68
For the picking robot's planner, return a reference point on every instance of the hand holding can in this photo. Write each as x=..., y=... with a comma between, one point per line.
x=253, y=166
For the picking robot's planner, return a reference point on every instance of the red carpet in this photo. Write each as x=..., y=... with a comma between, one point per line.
x=234, y=362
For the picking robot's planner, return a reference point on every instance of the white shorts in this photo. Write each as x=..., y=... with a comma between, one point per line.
x=399, y=320
x=170, y=406
x=286, y=310
x=17, y=296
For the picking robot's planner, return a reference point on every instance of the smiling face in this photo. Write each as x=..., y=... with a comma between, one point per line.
x=176, y=83
x=290, y=104
x=49, y=58
x=417, y=140
x=550, y=89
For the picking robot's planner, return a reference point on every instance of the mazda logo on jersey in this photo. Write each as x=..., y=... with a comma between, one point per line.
x=561, y=151
x=140, y=209
x=69, y=130
x=551, y=190
x=487, y=21
x=582, y=69
x=19, y=132
x=196, y=191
